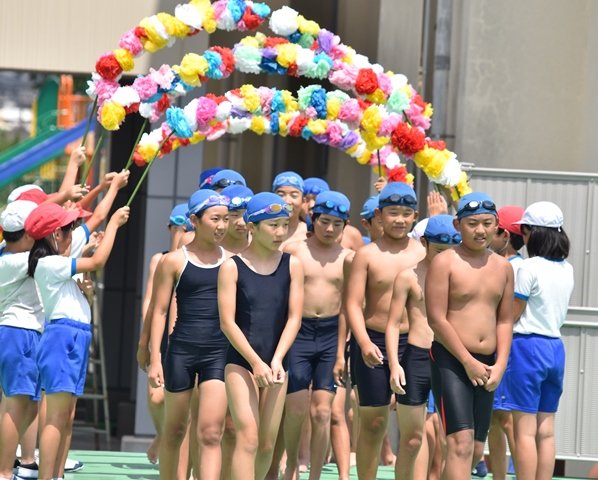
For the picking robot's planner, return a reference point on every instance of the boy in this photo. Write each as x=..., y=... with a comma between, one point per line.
x=469, y=303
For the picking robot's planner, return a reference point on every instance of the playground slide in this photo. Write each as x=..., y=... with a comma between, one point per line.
x=36, y=153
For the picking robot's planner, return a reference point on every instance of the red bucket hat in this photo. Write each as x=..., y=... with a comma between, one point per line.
x=48, y=217
x=507, y=216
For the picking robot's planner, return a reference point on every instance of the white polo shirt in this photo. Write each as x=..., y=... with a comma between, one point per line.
x=60, y=294
x=20, y=305
x=546, y=285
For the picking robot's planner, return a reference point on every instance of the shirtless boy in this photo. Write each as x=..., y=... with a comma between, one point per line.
x=314, y=352
x=289, y=186
x=469, y=303
x=411, y=379
x=373, y=271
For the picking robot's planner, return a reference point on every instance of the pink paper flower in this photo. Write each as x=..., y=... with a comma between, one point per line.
x=206, y=111
x=129, y=41
x=145, y=87
x=163, y=76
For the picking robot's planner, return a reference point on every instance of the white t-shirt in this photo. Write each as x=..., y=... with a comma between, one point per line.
x=19, y=302
x=60, y=294
x=546, y=285
x=516, y=261
x=79, y=240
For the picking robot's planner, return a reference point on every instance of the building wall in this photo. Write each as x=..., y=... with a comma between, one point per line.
x=524, y=77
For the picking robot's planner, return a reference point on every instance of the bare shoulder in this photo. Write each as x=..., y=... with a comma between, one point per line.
x=294, y=246
x=228, y=266
x=443, y=259
x=173, y=259
x=295, y=263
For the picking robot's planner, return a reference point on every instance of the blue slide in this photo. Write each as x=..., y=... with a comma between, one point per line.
x=39, y=154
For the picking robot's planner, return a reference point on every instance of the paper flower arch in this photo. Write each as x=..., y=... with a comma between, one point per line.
x=374, y=115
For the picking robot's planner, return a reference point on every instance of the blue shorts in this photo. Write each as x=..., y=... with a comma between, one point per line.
x=18, y=362
x=431, y=404
x=62, y=356
x=540, y=365
x=184, y=361
x=501, y=394
x=418, y=376
x=313, y=355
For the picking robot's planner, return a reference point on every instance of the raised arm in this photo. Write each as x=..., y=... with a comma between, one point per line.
x=100, y=256
x=504, y=331
x=68, y=190
x=293, y=323
x=101, y=211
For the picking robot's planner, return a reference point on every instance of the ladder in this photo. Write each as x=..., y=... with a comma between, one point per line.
x=96, y=387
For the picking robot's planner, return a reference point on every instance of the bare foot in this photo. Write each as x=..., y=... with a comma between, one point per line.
x=389, y=460
x=152, y=451
x=302, y=468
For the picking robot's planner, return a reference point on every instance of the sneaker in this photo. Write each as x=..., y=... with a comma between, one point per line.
x=72, y=465
x=29, y=470
x=16, y=464
x=480, y=470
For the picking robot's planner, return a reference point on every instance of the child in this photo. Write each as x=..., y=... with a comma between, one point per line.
x=542, y=293
x=469, y=304
x=289, y=186
x=64, y=346
x=196, y=346
x=21, y=323
x=261, y=323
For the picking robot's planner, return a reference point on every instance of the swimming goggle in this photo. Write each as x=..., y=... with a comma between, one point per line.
x=397, y=199
x=272, y=209
x=225, y=182
x=238, y=202
x=330, y=205
x=285, y=180
x=211, y=201
x=444, y=238
x=474, y=205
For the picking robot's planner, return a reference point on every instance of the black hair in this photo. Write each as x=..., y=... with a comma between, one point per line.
x=516, y=241
x=12, y=237
x=315, y=216
x=547, y=242
x=41, y=248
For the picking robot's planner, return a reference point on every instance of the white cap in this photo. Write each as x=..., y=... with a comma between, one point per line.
x=542, y=214
x=12, y=219
x=17, y=192
x=419, y=229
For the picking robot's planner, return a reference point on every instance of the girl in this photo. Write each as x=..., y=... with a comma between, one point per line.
x=535, y=383
x=63, y=350
x=196, y=346
x=261, y=324
x=21, y=323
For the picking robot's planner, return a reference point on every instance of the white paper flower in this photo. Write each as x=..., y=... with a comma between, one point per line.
x=284, y=21
x=189, y=111
x=146, y=110
x=158, y=26
x=305, y=61
x=393, y=161
x=226, y=21
x=223, y=111
x=126, y=96
x=238, y=125
x=398, y=80
x=189, y=15
x=247, y=59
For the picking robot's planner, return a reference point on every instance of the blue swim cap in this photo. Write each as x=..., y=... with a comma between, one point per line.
x=225, y=178
x=266, y=206
x=440, y=229
x=205, y=177
x=397, y=193
x=203, y=199
x=288, y=179
x=315, y=186
x=369, y=207
x=178, y=216
x=238, y=196
x=332, y=203
x=475, y=203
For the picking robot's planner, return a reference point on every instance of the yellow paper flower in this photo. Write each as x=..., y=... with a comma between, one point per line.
x=289, y=101
x=258, y=125
x=147, y=151
x=428, y=111
x=287, y=54
x=283, y=123
x=365, y=158
x=191, y=66
x=371, y=119
x=173, y=25
x=112, y=115
x=251, y=99
x=373, y=141
x=377, y=97
x=250, y=41
x=307, y=26
x=196, y=138
x=124, y=59
x=153, y=40
x=333, y=107
x=409, y=178
x=317, y=127
x=209, y=23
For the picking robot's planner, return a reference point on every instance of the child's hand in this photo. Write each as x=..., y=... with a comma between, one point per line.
x=121, y=216
x=78, y=156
